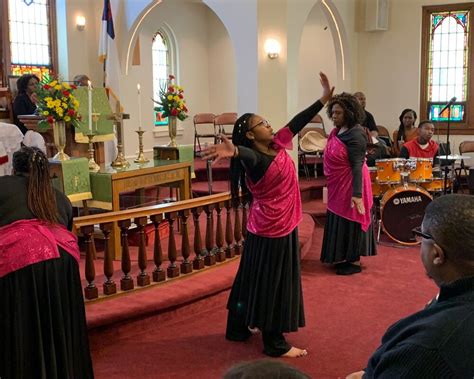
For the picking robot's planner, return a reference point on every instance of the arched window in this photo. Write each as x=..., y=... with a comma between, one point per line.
x=446, y=66
x=30, y=33
x=161, y=59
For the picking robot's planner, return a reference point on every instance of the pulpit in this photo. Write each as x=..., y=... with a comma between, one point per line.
x=73, y=149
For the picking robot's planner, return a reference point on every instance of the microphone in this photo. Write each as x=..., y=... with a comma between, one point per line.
x=451, y=102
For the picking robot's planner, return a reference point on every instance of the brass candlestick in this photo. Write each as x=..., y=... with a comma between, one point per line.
x=141, y=157
x=93, y=166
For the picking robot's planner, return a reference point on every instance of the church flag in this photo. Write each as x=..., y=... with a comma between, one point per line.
x=106, y=32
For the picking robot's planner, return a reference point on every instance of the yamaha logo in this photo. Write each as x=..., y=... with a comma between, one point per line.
x=407, y=200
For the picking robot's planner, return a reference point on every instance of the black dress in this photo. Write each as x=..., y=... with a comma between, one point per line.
x=344, y=240
x=42, y=315
x=267, y=291
x=22, y=105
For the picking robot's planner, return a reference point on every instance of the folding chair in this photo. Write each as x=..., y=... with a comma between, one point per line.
x=201, y=120
x=223, y=120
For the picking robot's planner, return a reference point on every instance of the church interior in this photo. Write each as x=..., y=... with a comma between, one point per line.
x=149, y=86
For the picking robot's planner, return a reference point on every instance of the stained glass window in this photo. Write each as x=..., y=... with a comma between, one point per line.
x=448, y=64
x=161, y=70
x=29, y=33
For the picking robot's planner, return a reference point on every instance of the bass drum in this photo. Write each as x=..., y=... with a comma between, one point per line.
x=401, y=210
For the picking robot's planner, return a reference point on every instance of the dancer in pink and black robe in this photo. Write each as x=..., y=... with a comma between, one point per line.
x=348, y=234
x=267, y=292
x=42, y=316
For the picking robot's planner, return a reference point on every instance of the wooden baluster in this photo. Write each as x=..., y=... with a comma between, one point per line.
x=126, y=283
x=159, y=274
x=220, y=255
x=143, y=279
x=210, y=258
x=229, y=236
x=90, y=291
x=198, y=262
x=109, y=285
x=172, y=270
x=237, y=229
x=186, y=266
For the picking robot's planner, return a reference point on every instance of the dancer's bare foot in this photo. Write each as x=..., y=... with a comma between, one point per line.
x=254, y=330
x=295, y=352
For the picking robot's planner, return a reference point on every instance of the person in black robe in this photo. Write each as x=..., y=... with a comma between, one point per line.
x=42, y=314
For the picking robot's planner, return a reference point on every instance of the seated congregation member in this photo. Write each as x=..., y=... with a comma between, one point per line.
x=267, y=292
x=406, y=131
x=25, y=100
x=369, y=121
x=348, y=233
x=438, y=341
x=264, y=369
x=423, y=146
x=42, y=317
x=376, y=147
x=81, y=80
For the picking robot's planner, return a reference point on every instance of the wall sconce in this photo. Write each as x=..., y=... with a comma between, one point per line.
x=272, y=48
x=80, y=23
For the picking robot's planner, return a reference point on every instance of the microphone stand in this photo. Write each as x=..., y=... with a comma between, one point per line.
x=448, y=151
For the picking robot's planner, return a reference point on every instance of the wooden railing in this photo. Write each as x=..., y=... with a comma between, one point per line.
x=218, y=244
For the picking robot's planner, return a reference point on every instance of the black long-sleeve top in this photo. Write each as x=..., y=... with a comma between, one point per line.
x=356, y=141
x=437, y=342
x=22, y=105
x=257, y=163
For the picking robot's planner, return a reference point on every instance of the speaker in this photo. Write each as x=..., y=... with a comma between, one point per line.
x=376, y=15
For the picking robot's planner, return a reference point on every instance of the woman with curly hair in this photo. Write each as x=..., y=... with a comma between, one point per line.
x=347, y=233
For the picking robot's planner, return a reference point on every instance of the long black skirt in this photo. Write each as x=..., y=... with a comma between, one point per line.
x=267, y=290
x=42, y=322
x=344, y=240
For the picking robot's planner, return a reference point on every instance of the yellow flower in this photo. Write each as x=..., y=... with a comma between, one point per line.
x=49, y=98
x=45, y=113
x=64, y=105
x=170, y=97
x=76, y=103
x=67, y=118
x=176, y=98
x=50, y=104
x=66, y=85
x=53, y=83
x=58, y=87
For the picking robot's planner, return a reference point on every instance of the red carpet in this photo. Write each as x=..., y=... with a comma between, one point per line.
x=345, y=317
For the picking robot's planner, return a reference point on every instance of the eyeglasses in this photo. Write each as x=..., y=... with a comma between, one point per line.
x=417, y=232
x=265, y=123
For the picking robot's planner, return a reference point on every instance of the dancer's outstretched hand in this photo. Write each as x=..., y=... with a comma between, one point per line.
x=226, y=149
x=327, y=89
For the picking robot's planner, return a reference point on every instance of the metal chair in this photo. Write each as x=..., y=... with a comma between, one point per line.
x=201, y=120
x=223, y=120
x=306, y=158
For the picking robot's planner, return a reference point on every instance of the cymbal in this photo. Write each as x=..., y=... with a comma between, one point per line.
x=454, y=157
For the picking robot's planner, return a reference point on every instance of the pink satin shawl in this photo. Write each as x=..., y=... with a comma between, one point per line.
x=25, y=242
x=276, y=206
x=338, y=172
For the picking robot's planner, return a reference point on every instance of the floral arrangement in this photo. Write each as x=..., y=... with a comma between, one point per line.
x=171, y=102
x=56, y=102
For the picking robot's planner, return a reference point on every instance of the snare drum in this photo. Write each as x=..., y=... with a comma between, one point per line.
x=388, y=170
x=401, y=210
x=422, y=172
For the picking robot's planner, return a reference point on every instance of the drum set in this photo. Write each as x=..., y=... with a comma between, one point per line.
x=402, y=189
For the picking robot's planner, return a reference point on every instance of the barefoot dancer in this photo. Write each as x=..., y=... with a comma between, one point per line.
x=267, y=293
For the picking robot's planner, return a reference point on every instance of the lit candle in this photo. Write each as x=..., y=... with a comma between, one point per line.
x=139, y=108
x=89, y=98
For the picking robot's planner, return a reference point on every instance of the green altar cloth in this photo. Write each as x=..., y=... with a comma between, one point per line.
x=72, y=178
x=101, y=181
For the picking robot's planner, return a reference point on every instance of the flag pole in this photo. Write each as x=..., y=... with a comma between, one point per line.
x=105, y=72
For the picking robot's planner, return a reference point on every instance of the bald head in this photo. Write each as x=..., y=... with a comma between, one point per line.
x=450, y=220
